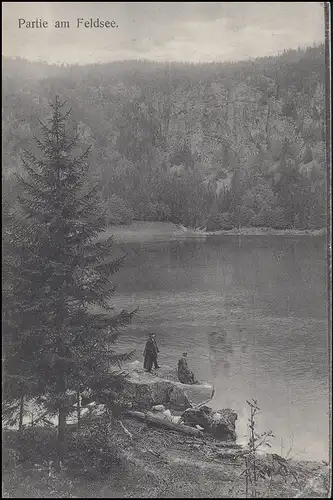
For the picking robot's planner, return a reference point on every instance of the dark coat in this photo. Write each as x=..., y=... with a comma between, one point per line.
x=150, y=354
x=156, y=347
x=151, y=348
x=185, y=375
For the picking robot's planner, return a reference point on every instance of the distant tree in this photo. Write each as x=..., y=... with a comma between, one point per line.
x=186, y=199
x=278, y=220
x=118, y=211
x=61, y=272
x=287, y=188
x=153, y=211
x=258, y=220
x=217, y=222
x=242, y=217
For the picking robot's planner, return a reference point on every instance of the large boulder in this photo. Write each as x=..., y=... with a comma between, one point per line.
x=161, y=387
x=198, y=393
x=219, y=423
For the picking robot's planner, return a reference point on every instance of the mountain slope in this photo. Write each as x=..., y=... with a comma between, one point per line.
x=189, y=142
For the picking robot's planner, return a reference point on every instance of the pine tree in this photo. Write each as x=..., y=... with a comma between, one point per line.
x=60, y=277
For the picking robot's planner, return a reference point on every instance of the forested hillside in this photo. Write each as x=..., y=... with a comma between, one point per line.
x=211, y=145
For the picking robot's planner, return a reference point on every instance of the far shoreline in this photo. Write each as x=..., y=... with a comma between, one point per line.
x=165, y=231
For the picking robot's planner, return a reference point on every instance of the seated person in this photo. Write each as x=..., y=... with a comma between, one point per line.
x=185, y=375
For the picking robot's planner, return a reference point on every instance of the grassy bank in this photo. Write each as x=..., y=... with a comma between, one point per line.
x=155, y=463
x=144, y=231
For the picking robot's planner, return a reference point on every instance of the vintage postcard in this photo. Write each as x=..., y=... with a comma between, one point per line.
x=166, y=249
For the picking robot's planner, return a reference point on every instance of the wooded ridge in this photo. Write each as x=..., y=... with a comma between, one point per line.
x=213, y=145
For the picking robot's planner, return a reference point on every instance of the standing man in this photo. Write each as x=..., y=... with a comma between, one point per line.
x=150, y=353
x=156, y=350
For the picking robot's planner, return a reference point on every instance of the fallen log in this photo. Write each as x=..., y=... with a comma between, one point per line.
x=165, y=424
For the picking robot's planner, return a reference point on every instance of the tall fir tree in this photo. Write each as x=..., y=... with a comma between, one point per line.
x=58, y=275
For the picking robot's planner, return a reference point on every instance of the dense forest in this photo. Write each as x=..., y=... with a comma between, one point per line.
x=213, y=145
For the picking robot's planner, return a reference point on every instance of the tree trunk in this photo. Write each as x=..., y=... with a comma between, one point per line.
x=267, y=123
x=78, y=411
x=21, y=413
x=61, y=433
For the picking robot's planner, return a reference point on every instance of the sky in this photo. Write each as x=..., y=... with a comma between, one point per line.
x=160, y=31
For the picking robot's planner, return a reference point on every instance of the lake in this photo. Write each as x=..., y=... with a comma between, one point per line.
x=252, y=315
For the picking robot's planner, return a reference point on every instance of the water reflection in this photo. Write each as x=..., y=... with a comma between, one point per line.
x=220, y=349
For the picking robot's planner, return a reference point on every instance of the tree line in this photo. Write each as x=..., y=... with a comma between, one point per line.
x=213, y=145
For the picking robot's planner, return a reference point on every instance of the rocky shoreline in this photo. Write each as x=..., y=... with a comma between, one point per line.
x=268, y=231
x=170, y=463
x=145, y=231
x=170, y=444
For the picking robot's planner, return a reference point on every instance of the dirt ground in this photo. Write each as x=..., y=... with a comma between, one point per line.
x=165, y=464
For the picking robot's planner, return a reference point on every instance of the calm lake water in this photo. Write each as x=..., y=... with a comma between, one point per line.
x=252, y=315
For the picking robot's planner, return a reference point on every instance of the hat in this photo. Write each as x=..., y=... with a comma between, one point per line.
x=184, y=353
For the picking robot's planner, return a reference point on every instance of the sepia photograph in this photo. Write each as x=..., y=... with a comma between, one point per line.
x=166, y=250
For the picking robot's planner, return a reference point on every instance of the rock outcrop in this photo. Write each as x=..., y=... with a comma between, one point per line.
x=219, y=423
x=161, y=387
x=150, y=397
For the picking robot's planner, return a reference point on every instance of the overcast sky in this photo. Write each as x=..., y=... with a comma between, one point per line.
x=178, y=31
